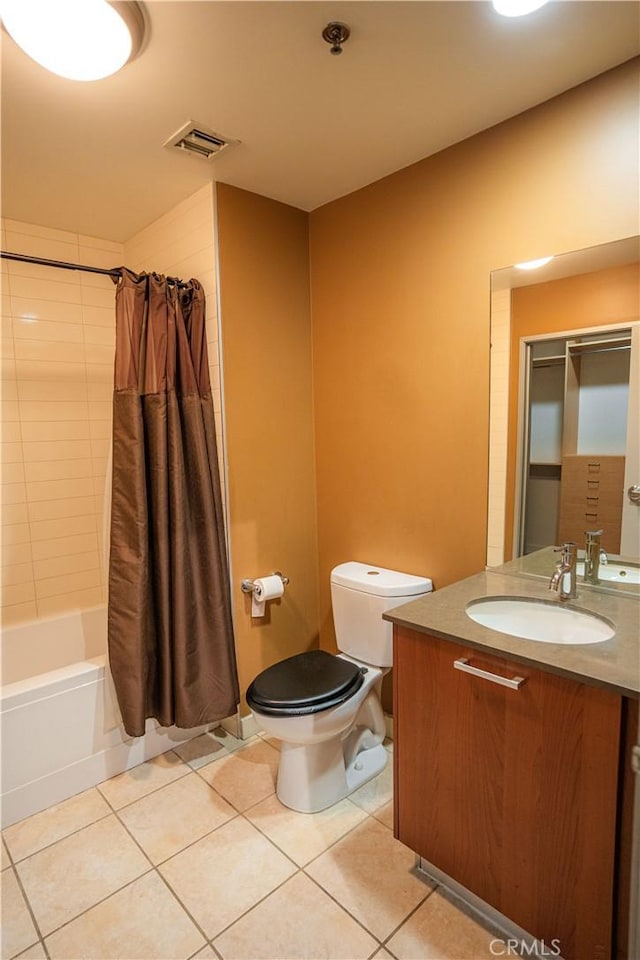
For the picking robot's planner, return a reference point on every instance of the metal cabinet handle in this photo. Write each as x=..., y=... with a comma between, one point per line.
x=514, y=683
x=634, y=493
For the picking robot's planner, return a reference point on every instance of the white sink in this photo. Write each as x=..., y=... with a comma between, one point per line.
x=546, y=620
x=613, y=572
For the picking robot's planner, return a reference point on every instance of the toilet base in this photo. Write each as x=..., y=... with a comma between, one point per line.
x=312, y=777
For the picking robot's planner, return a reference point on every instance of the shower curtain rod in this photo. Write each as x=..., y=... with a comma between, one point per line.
x=64, y=265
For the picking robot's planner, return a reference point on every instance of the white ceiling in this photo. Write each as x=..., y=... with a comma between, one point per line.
x=414, y=77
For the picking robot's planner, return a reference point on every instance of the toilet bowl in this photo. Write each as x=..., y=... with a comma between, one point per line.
x=326, y=708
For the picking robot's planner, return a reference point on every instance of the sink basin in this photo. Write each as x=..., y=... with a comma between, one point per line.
x=613, y=572
x=543, y=620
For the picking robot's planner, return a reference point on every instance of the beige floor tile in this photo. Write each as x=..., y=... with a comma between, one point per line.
x=226, y=873
x=303, y=836
x=441, y=930
x=246, y=777
x=36, y=952
x=143, y=779
x=205, y=954
x=385, y=814
x=168, y=820
x=143, y=921
x=272, y=741
x=382, y=954
x=376, y=792
x=18, y=930
x=200, y=751
x=6, y=861
x=228, y=741
x=43, y=829
x=75, y=873
x=370, y=874
x=296, y=922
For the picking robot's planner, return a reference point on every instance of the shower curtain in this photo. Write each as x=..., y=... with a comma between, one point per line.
x=171, y=648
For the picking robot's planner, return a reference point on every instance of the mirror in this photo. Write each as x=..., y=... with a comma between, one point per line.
x=565, y=397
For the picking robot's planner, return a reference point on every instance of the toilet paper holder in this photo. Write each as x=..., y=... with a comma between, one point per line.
x=247, y=585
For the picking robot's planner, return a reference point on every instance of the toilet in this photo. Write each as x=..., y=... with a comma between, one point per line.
x=325, y=708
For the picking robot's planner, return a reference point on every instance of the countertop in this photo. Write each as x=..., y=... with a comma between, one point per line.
x=614, y=663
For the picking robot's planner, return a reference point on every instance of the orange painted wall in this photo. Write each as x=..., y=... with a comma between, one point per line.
x=266, y=343
x=601, y=298
x=400, y=312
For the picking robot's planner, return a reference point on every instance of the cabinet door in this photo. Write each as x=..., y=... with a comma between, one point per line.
x=512, y=793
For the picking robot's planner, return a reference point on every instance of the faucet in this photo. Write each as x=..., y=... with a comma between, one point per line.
x=593, y=556
x=564, y=577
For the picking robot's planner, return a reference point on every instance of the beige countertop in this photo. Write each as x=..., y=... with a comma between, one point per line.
x=614, y=663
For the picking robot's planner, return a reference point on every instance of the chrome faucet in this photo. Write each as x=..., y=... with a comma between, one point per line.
x=593, y=556
x=564, y=577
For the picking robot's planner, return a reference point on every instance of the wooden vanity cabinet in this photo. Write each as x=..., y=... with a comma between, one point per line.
x=510, y=792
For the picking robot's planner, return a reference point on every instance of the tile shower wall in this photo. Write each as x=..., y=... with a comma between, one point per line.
x=57, y=380
x=57, y=375
x=182, y=244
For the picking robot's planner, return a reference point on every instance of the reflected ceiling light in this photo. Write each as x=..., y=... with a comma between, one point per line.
x=76, y=39
x=533, y=264
x=517, y=8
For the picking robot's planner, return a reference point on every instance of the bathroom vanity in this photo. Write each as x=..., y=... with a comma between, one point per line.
x=513, y=776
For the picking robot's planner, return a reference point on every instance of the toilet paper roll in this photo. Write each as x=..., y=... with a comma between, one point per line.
x=265, y=588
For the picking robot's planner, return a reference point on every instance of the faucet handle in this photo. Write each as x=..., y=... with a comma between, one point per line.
x=592, y=535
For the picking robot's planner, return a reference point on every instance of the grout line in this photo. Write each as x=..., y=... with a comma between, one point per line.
x=28, y=904
x=408, y=917
x=344, y=909
x=48, y=846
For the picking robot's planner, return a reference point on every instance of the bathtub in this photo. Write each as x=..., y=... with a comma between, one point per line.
x=61, y=728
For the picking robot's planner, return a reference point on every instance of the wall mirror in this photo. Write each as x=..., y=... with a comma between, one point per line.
x=565, y=406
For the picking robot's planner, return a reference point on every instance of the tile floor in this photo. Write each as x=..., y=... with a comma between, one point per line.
x=191, y=855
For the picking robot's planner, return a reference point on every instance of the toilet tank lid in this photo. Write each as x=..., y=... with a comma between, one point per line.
x=367, y=578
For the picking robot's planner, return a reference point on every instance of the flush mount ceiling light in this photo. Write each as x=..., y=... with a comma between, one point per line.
x=76, y=39
x=517, y=8
x=533, y=264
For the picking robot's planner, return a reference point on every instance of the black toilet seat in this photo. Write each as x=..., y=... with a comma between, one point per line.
x=305, y=684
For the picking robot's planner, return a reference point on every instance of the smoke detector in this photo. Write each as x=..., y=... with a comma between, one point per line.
x=198, y=140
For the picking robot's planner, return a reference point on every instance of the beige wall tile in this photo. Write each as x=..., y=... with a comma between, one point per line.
x=36, y=230
x=58, y=450
x=37, y=247
x=17, y=612
x=11, y=453
x=14, y=554
x=15, y=533
x=29, y=288
x=99, y=296
x=18, y=593
x=49, y=330
x=38, y=272
x=102, y=390
x=99, y=316
x=14, y=513
x=64, y=430
x=100, y=409
x=45, y=470
x=29, y=349
x=100, y=373
x=51, y=371
x=44, y=391
x=30, y=308
x=98, y=243
x=66, y=570
x=8, y=390
x=13, y=472
x=55, y=529
x=6, y=345
x=10, y=412
x=44, y=411
x=16, y=573
x=11, y=432
x=77, y=600
x=82, y=543
x=12, y=493
x=58, y=489
x=100, y=429
x=56, y=509
x=100, y=353
x=62, y=585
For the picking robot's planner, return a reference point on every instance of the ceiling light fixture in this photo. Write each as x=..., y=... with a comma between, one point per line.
x=336, y=34
x=76, y=39
x=517, y=8
x=533, y=264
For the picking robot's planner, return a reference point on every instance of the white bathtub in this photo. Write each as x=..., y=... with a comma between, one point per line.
x=61, y=729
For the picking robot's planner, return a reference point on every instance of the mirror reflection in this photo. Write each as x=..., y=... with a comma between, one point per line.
x=565, y=404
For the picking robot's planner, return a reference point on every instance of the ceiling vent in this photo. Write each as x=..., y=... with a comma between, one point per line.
x=198, y=140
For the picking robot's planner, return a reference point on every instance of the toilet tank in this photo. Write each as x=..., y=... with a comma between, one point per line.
x=360, y=594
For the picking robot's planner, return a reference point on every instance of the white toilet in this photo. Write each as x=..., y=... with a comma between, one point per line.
x=326, y=709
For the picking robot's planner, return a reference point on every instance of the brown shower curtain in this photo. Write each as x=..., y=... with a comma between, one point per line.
x=171, y=647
